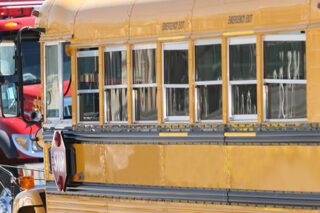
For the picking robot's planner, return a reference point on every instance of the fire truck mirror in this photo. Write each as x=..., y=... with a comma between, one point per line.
x=9, y=97
x=7, y=64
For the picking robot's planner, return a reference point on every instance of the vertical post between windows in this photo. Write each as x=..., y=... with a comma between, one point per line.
x=259, y=55
x=191, y=82
x=159, y=82
x=42, y=76
x=74, y=86
x=129, y=84
x=101, y=86
x=224, y=67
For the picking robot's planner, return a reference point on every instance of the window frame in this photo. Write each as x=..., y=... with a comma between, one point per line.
x=281, y=37
x=180, y=45
x=240, y=117
x=114, y=48
x=80, y=54
x=57, y=120
x=146, y=46
x=203, y=42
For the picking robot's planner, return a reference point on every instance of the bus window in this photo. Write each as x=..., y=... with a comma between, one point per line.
x=242, y=79
x=144, y=83
x=208, y=80
x=57, y=64
x=7, y=66
x=88, y=81
x=31, y=62
x=51, y=81
x=285, y=77
x=116, y=84
x=175, y=81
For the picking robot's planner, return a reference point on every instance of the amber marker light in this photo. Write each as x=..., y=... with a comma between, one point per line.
x=26, y=182
x=11, y=24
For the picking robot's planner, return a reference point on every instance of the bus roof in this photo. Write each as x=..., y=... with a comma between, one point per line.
x=118, y=20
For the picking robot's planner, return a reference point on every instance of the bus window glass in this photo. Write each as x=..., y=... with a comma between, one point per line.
x=88, y=72
x=89, y=106
x=88, y=93
x=177, y=101
x=7, y=66
x=208, y=80
x=144, y=66
x=176, y=81
x=144, y=83
x=116, y=68
x=115, y=58
x=208, y=62
x=52, y=81
x=117, y=105
x=31, y=62
x=242, y=79
x=285, y=77
x=145, y=103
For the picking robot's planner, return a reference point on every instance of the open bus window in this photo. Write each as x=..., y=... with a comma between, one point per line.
x=115, y=58
x=88, y=92
x=144, y=83
x=176, y=81
x=7, y=66
x=52, y=81
x=58, y=101
x=285, y=77
x=242, y=79
x=208, y=80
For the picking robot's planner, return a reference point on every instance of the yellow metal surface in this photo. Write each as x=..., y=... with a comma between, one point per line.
x=191, y=82
x=87, y=204
x=102, y=20
x=101, y=85
x=29, y=198
x=259, y=56
x=224, y=70
x=276, y=168
x=313, y=75
x=159, y=82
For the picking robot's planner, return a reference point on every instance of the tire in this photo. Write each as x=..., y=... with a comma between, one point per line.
x=7, y=192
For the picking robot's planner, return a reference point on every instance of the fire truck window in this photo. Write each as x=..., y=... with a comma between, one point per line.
x=6, y=59
x=31, y=62
x=52, y=81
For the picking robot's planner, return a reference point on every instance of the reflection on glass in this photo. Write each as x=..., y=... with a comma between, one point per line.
x=210, y=102
x=52, y=83
x=117, y=104
x=243, y=62
x=177, y=101
x=116, y=67
x=286, y=101
x=9, y=99
x=67, y=101
x=208, y=62
x=284, y=59
x=31, y=62
x=145, y=104
x=66, y=63
x=176, y=67
x=144, y=66
x=88, y=72
x=89, y=106
x=244, y=99
x=6, y=59
x=67, y=107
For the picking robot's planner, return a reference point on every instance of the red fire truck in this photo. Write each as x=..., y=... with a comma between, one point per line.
x=18, y=144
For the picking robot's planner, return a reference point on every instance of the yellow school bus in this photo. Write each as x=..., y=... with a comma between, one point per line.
x=181, y=105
